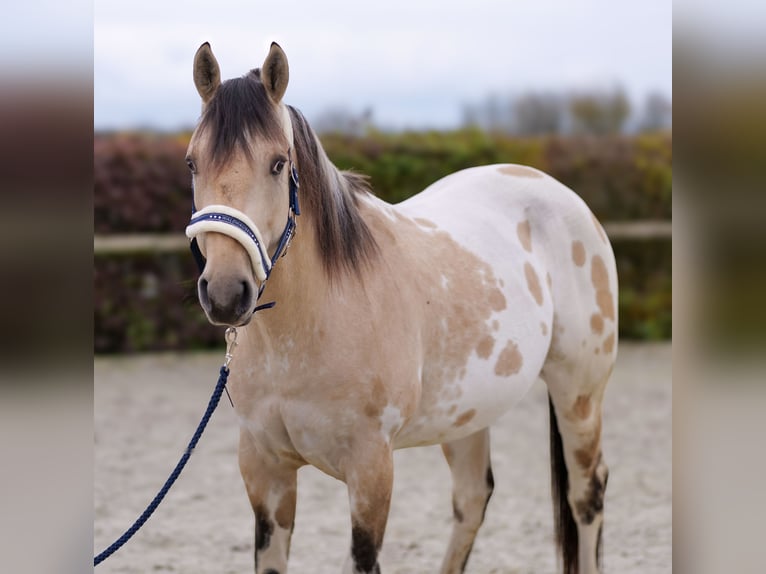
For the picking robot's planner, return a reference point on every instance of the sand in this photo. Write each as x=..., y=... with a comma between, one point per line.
x=147, y=407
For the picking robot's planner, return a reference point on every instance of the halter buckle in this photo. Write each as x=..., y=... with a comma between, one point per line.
x=231, y=342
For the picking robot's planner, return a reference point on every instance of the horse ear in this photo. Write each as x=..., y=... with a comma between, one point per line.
x=275, y=73
x=207, y=74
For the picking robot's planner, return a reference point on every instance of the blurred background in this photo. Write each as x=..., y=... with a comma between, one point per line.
x=405, y=93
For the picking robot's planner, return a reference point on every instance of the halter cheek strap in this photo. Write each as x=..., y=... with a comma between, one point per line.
x=237, y=225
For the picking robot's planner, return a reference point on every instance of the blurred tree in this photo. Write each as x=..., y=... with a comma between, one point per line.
x=494, y=114
x=341, y=120
x=599, y=112
x=538, y=113
x=471, y=116
x=657, y=114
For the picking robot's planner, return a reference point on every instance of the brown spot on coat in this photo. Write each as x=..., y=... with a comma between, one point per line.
x=533, y=283
x=544, y=328
x=597, y=323
x=586, y=455
x=600, y=279
x=377, y=402
x=520, y=171
x=510, y=360
x=609, y=343
x=485, y=346
x=465, y=417
x=581, y=407
x=578, y=253
x=525, y=235
x=497, y=300
x=285, y=514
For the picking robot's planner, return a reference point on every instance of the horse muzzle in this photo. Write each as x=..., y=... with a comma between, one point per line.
x=227, y=300
x=228, y=297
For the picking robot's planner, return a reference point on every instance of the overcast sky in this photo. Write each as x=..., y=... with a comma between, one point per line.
x=414, y=62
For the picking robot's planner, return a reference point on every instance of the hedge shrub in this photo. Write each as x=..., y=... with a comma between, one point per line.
x=142, y=183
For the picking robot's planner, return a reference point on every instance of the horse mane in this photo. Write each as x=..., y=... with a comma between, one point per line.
x=331, y=198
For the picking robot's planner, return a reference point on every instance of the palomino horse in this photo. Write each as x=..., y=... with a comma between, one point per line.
x=395, y=325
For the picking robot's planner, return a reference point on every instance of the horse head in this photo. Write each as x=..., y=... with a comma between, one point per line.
x=245, y=185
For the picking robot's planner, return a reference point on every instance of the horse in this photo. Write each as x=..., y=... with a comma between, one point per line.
x=395, y=326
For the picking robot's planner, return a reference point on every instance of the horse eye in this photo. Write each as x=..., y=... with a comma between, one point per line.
x=278, y=166
x=190, y=163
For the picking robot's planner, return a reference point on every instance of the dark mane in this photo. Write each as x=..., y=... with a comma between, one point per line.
x=331, y=198
x=240, y=109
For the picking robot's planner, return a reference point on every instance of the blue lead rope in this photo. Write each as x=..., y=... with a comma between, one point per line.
x=117, y=544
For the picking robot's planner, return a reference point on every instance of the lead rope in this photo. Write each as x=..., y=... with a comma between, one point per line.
x=231, y=343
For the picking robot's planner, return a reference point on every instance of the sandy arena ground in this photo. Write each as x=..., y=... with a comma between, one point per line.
x=147, y=407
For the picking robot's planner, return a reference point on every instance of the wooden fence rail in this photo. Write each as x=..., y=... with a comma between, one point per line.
x=127, y=244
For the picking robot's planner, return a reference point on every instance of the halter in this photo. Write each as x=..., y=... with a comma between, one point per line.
x=237, y=225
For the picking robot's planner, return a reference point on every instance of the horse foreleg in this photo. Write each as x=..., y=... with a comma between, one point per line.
x=472, y=485
x=271, y=488
x=370, y=480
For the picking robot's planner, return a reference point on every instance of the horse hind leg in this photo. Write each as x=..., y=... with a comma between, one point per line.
x=472, y=485
x=578, y=476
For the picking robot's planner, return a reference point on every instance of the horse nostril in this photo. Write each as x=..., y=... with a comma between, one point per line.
x=225, y=300
x=202, y=290
x=246, y=297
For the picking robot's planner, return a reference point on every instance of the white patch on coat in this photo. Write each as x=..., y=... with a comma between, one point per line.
x=391, y=421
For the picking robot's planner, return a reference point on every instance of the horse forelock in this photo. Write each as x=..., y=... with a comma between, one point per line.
x=330, y=198
x=239, y=114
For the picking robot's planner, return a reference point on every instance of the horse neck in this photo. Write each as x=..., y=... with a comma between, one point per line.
x=297, y=283
x=301, y=281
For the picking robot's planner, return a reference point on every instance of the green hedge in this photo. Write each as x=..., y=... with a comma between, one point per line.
x=142, y=183
x=620, y=178
x=148, y=302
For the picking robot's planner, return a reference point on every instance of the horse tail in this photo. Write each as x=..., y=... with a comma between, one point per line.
x=563, y=521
